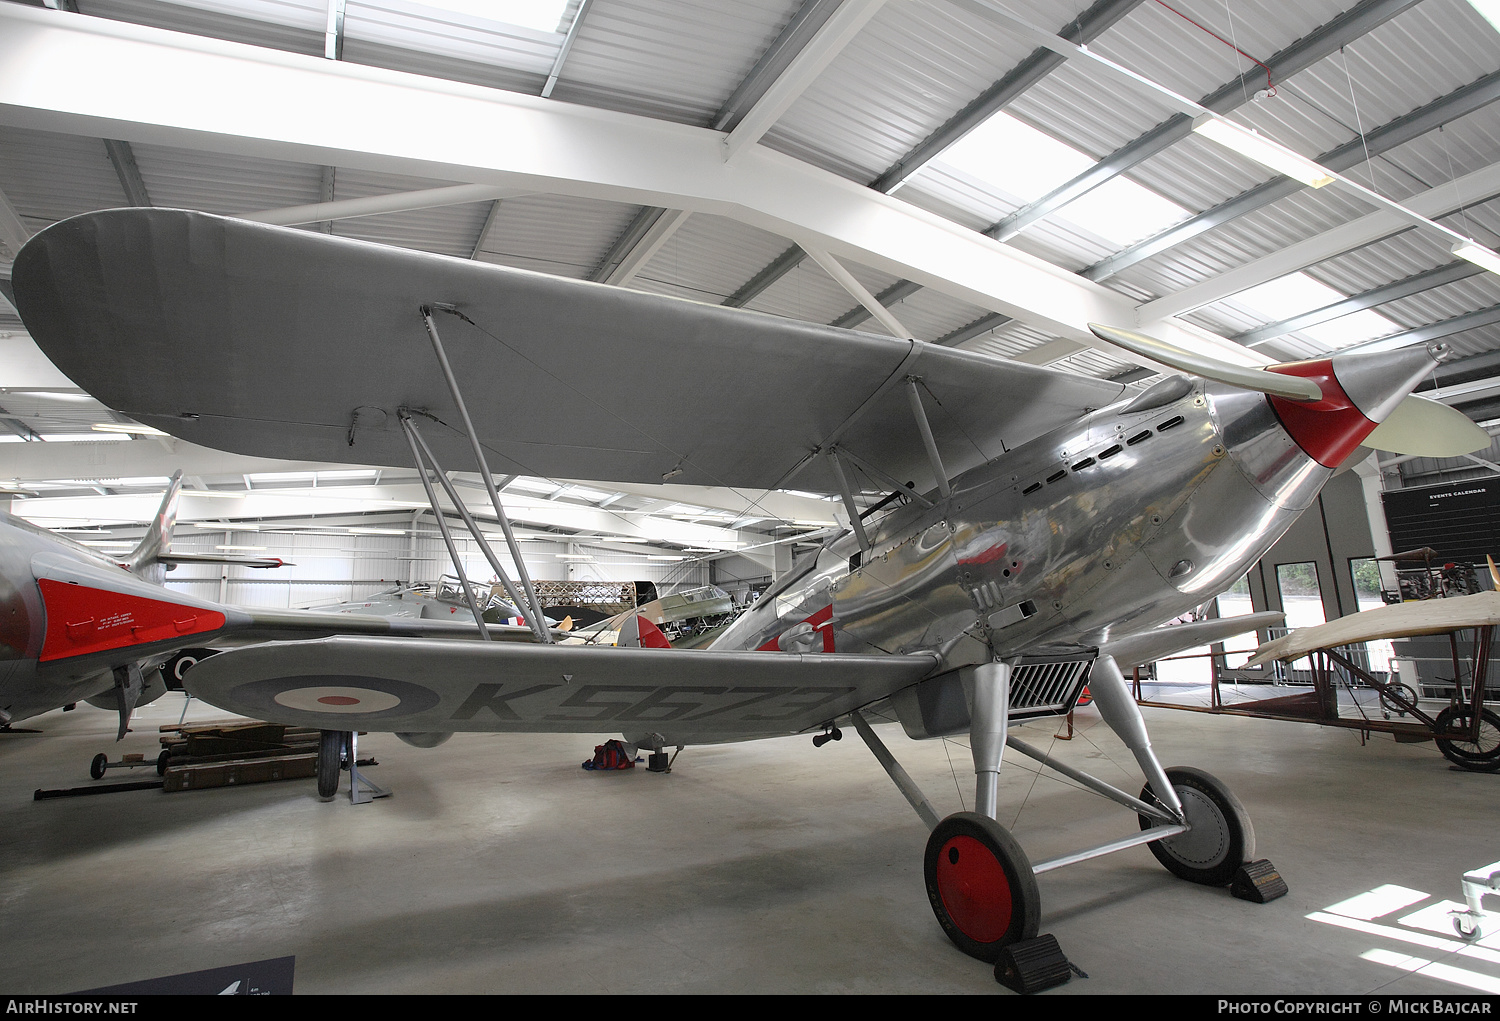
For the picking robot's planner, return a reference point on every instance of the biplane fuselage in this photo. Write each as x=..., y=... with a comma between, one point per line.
x=1116, y=523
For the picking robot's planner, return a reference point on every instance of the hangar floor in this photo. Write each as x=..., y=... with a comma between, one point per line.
x=499, y=866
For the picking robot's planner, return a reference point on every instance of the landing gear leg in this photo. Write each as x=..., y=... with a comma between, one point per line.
x=1112, y=696
x=1219, y=840
x=979, y=881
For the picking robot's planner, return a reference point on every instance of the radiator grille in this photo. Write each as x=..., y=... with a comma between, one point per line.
x=1047, y=687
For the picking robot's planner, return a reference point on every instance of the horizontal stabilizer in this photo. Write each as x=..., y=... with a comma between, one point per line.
x=1424, y=617
x=222, y=558
x=388, y=684
x=1159, y=643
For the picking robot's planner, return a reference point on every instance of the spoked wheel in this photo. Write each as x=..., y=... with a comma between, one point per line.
x=1398, y=698
x=1482, y=755
x=331, y=747
x=981, y=885
x=1221, y=838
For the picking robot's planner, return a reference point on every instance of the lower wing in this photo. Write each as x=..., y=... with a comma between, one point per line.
x=424, y=685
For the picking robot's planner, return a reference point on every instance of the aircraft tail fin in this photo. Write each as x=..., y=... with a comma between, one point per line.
x=637, y=632
x=145, y=560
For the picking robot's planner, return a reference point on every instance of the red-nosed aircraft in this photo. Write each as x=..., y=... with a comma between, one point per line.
x=1051, y=520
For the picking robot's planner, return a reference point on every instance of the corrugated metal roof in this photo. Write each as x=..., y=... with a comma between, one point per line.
x=905, y=74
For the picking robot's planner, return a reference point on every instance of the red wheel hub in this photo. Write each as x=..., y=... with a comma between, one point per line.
x=974, y=888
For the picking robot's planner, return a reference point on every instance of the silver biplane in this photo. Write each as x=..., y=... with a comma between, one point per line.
x=1042, y=521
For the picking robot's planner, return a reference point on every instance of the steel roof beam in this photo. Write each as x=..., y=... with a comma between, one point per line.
x=122, y=157
x=1468, y=190
x=484, y=231
x=1380, y=140
x=375, y=205
x=1435, y=331
x=333, y=31
x=1415, y=284
x=792, y=40
x=829, y=41
x=984, y=324
x=1087, y=27
x=1084, y=29
x=567, y=45
x=774, y=271
x=252, y=101
x=1299, y=56
x=892, y=295
x=662, y=227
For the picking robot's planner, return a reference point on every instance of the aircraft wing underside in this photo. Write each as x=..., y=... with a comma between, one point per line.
x=423, y=685
x=1403, y=620
x=293, y=344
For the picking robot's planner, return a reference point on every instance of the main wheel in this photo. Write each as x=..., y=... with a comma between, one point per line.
x=1398, y=698
x=1483, y=755
x=981, y=885
x=331, y=747
x=1221, y=838
x=97, y=767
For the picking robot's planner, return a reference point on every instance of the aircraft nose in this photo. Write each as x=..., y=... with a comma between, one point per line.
x=1377, y=381
x=1360, y=390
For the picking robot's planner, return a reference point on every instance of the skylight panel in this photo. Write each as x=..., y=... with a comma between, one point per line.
x=1026, y=164
x=1296, y=293
x=1489, y=10
x=541, y=15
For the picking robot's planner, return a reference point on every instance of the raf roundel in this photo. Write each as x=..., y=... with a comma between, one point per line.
x=338, y=700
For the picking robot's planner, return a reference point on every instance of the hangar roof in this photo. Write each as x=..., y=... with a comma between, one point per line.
x=984, y=114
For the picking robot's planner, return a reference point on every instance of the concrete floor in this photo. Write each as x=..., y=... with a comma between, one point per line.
x=499, y=866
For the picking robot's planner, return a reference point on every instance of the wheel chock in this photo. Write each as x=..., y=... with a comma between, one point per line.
x=1258, y=882
x=1032, y=965
x=658, y=762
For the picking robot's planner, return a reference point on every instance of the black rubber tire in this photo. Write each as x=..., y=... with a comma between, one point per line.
x=98, y=765
x=1221, y=839
x=331, y=746
x=1482, y=756
x=162, y=760
x=1398, y=698
x=981, y=886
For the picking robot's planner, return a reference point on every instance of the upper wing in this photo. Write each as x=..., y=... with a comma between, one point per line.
x=294, y=344
x=1161, y=642
x=1427, y=617
x=388, y=684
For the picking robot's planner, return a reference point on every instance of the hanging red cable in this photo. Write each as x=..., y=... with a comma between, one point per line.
x=1269, y=86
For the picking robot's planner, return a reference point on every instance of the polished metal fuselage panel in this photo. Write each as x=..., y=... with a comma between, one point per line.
x=1116, y=523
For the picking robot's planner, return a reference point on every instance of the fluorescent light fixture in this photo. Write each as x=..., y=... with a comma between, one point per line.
x=1261, y=149
x=1478, y=255
x=126, y=427
x=233, y=527
x=220, y=493
x=240, y=547
x=573, y=556
x=84, y=438
x=363, y=530
x=653, y=556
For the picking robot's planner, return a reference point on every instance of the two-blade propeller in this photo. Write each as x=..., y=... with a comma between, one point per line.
x=1414, y=425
